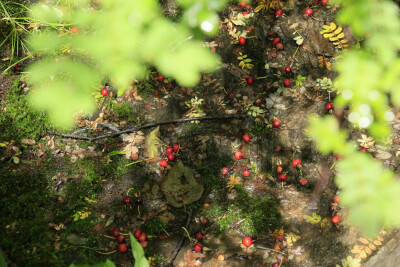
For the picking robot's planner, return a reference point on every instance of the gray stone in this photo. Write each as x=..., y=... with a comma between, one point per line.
x=76, y=240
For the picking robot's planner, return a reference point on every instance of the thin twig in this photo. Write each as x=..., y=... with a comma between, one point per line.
x=150, y=125
x=180, y=243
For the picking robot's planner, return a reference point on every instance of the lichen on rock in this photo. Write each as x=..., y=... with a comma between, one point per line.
x=180, y=188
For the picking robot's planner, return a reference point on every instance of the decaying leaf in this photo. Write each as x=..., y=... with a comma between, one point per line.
x=363, y=240
x=152, y=143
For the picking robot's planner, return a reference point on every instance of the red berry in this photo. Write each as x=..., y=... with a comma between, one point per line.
x=276, y=41
x=279, y=46
x=282, y=178
x=23, y=84
x=303, y=181
x=364, y=149
x=329, y=106
x=163, y=163
x=142, y=237
x=169, y=150
x=137, y=233
x=175, y=147
x=238, y=155
x=286, y=82
x=199, y=236
x=231, y=95
x=242, y=40
x=335, y=219
x=74, y=30
x=56, y=198
x=115, y=232
x=296, y=162
x=288, y=69
x=242, y=3
x=246, y=173
x=245, y=13
x=338, y=157
x=247, y=241
x=246, y=138
x=121, y=239
x=160, y=78
x=197, y=247
x=279, y=169
x=276, y=123
x=127, y=200
x=171, y=157
x=275, y=264
x=104, y=92
x=122, y=248
x=225, y=170
x=308, y=12
x=324, y=2
x=336, y=199
x=316, y=2
x=143, y=244
x=279, y=12
x=249, y=80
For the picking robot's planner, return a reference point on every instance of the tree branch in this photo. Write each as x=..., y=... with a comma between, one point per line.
x=151, y=125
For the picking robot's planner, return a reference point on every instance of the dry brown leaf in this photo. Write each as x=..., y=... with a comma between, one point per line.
x=372, y=247
x=378, y=243
x=379, y=238
x=364, y=241
x=135, y=95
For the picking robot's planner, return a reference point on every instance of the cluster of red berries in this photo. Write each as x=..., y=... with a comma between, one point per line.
x=277, y=43
x=171, y=152
x=238, y=156
x=335, y=208
x=141, y=237
x=198, y=247
x=121, y=240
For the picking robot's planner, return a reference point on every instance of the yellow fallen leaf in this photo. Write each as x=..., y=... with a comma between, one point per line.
x=378, y=243
x=338, y=30
x=372, y=247
x=379, y=238
x=355, y=251
x=364, y=241
x=366, y=249
x=363, y=255
x=359, y=247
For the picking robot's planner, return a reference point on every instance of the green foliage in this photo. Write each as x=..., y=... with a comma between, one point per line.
x=139, y=36
x=13, y=27
x=245, y=63
x=3, y=262
x=107, y=263
x=259, y=128
x=300, y=79
x=366, y=75
x=124, y=111
x=258, y=215
x=18, y=119
x=350, y=262
x=154, y=226
x=138, y=253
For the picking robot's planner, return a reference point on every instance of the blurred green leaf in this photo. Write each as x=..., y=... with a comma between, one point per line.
x=138, y=253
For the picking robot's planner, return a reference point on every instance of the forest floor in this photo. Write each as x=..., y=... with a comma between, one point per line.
x=62, y=197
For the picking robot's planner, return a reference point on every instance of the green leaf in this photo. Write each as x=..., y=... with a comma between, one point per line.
x=2, y=261
x=107, y=263
x=115, y=152
x=138, y=253
x=16, y=160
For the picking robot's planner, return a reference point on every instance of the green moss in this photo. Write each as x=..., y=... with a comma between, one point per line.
x=258, y=215
x=259, y=128
x=18, y=119
x=154, y=226
x=210, y=167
